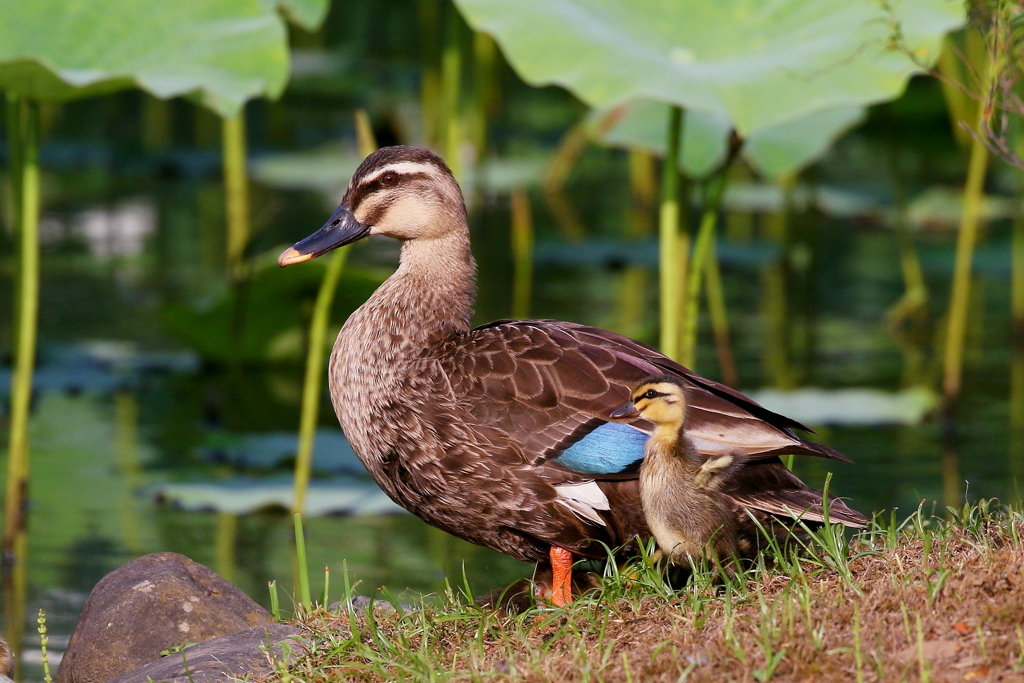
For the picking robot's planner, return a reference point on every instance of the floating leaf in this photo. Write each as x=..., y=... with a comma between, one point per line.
x=850, y=406
x=242, y=496
x=271, y=450
x=755, y=64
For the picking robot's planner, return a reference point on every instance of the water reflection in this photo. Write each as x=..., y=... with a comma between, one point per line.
x=227, y=538
x=93, y=509
x=1016, y=456
x=775, y=283
x=126, y=447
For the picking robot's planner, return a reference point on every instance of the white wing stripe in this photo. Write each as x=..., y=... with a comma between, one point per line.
x=584, y=500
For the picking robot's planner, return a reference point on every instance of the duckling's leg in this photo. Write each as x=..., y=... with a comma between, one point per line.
x=561, y=575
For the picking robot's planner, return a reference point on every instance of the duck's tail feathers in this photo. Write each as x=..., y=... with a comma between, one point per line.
x=800, y=448
x=802, y=504
x=808, y=448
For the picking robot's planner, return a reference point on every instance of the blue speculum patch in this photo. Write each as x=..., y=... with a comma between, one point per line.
x=610, y=449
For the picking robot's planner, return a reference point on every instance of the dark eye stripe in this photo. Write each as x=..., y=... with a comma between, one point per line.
x=367, y=188
x=379, y=209
x=651, y=393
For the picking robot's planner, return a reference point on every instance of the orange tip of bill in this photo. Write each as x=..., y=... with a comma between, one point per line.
x=290, y=256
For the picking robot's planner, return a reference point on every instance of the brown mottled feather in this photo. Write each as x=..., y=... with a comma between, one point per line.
x=591, y=377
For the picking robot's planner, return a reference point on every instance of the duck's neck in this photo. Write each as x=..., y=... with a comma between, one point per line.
x=432, y=291
x=391, y=337
x=426, y=302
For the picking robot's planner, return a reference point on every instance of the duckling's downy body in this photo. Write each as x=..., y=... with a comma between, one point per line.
x=693, y=504
x=501, y=434
x=679, y=492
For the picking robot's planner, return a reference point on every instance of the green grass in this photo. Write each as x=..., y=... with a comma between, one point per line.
x=925, y=599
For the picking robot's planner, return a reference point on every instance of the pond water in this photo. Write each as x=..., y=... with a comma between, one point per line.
x=145, y=439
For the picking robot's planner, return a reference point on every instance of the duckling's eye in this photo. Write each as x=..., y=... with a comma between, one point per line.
x=389, y=179
x=650, y=393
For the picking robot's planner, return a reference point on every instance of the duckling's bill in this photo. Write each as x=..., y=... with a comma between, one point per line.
x=627, y=411
x=342, y=228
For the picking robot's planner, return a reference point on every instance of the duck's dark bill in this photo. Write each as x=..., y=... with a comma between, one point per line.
x=341, y=229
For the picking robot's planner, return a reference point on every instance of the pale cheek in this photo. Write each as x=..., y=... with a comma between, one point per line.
x=664, y=414
x=362, y=213
x=407, y=219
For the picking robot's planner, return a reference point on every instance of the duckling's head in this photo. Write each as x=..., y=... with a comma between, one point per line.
x=403, y=192
x=659, y=399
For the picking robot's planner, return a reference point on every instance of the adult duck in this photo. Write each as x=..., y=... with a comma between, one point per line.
x=501, y=435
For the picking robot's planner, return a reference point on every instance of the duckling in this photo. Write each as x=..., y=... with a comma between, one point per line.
x=694, y=505
x=679, y=490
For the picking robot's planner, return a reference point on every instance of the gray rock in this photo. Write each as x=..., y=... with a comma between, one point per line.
x=362, y=603
x=255, y=651
x=154, y=603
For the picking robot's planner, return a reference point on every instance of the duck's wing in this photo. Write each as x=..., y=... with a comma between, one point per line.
x=552, y=385
x=770, y=487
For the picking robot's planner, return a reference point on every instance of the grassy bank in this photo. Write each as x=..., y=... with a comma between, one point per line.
x=928, y=600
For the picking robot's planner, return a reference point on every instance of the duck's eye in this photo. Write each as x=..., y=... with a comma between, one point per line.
x=389, y=179
x=650, y=393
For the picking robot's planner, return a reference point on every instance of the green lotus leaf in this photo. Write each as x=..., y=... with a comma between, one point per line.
x=753, y=63
x=224, y=52
x=773, y=151
x=788, y=147
x=308, y=14
x=643, y=125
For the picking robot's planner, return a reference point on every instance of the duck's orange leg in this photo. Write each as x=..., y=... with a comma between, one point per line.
x=561, y=575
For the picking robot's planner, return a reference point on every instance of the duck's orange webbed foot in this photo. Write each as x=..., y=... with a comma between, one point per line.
x=561, y=579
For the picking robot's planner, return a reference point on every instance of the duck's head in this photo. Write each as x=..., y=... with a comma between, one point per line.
x=402, y=192
x=659, y=399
